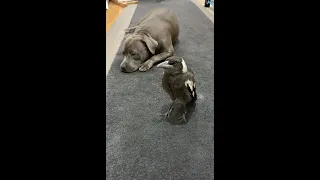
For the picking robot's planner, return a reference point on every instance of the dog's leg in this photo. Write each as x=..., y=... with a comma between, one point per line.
x=157, y=58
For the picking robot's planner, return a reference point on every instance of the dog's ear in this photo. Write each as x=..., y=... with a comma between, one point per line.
x=151, y=43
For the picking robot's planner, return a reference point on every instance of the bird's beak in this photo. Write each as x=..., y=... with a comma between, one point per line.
x=165, y=65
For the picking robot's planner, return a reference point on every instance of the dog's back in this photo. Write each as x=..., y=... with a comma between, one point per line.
x=158, y=21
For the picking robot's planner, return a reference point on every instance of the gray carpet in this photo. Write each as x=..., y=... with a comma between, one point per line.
x=139, y=146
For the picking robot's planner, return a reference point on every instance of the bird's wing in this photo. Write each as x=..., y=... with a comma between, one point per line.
x=167, y=87
x=183, y=87
x=190, y=84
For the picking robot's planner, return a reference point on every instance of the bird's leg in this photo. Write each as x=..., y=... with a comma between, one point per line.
x=168, y=112
x=182, y=118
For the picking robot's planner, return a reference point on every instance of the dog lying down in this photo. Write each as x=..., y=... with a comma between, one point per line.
x=151, y=41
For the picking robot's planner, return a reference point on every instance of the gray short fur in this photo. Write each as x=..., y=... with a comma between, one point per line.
x=151, y=41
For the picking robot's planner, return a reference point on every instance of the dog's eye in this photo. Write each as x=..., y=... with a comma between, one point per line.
x=133, y=53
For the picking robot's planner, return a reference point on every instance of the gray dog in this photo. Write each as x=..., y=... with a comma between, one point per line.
x=151, y=41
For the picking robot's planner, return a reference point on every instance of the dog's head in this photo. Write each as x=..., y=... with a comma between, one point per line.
x=137, y=49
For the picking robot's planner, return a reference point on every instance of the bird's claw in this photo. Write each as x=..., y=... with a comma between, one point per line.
x=182, y=118
x=165, y=115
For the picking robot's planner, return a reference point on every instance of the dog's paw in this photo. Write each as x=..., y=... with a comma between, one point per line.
x=146, y=66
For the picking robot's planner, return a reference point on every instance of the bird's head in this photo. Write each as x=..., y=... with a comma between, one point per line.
x=174, y=65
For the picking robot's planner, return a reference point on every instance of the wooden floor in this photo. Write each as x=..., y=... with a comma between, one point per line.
x=112, y=14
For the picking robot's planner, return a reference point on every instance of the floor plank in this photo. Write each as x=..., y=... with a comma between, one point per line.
x=112, y=14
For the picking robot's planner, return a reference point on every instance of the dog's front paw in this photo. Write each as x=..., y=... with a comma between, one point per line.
x=146, y=66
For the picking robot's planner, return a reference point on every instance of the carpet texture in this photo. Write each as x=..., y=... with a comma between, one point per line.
x=139, y=145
